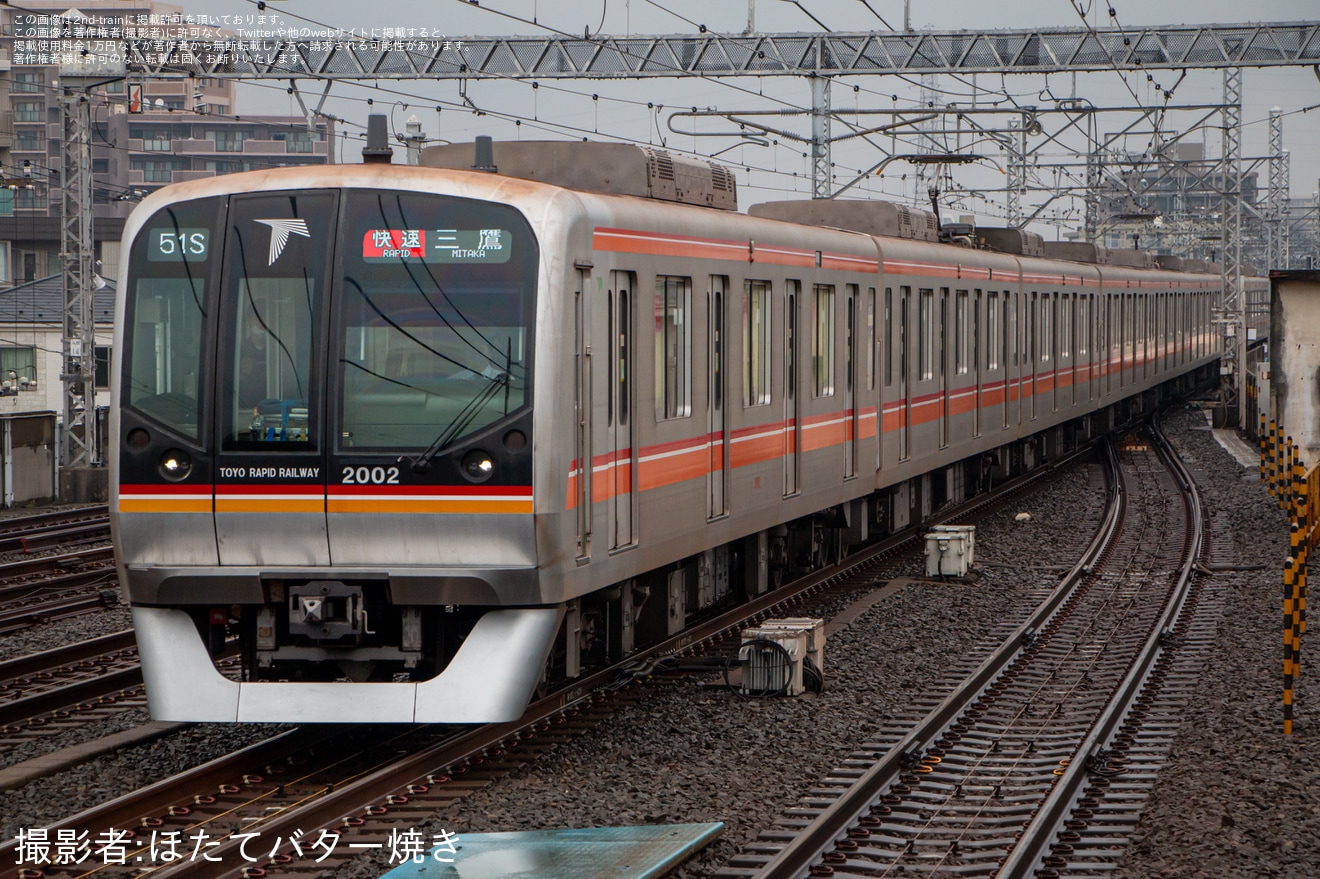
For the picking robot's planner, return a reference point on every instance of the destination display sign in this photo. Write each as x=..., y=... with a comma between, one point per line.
x=437, y=245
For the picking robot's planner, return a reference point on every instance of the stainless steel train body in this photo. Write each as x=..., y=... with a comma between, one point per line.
x=411, y=431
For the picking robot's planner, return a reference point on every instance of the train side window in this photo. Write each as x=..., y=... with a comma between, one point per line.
x=673, y=347
x=1082, y=322
x=1048, y=318
x=888, y=354
x=961, y=325
x=1016, y=350
x=926, y=333
x=992, y=331
x=822, y=349
x=1063, y=344
x=626, y=283
x=870, y=338
x=792, y=289
x=850, y=339
x=756, y=343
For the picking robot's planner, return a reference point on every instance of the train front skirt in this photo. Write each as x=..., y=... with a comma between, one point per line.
x=489, y=680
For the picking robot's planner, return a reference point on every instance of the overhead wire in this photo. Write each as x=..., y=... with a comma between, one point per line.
x=596, y=97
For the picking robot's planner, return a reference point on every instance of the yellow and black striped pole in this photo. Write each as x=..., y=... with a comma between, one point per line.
x=1289, y=630
x=1286, y=476
x=1271, y=456
x=1304, y=526
x=1264, y=453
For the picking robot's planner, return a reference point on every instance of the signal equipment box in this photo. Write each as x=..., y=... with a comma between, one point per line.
x=950, y=550
x=770, y=670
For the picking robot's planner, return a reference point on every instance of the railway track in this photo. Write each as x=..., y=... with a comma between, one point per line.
x=38, y=590
x=46, y=692
x=62, y=528
x=1035, y=763
x=359, y=782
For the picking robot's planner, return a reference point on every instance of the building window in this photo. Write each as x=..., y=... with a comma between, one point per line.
x=28, y=111
x=756, y=343
x=673, y=347
x=17, y=364
x=822, y=351
x=153, y=139
x=294, y=141
x=30, y=140
x=225, y=167
x=101, y=367
x=28, y=82
x=228, y=140
x=156, y=170
x=27, y=198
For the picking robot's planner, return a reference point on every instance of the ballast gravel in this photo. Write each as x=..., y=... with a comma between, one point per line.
x=693, y=751
x=70, y=630
x=1241, y=800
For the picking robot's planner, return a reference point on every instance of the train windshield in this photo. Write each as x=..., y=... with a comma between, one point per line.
x=172, y=259
x=434, y=321
x=277, y=254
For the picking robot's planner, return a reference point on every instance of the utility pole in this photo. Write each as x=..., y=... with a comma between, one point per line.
x=1235, y=303
x=1277, y=224
x=77, y=254
x=78, y=76
x=414, y=139
x=821, y=185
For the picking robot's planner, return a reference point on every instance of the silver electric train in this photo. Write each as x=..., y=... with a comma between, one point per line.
x=419, y=439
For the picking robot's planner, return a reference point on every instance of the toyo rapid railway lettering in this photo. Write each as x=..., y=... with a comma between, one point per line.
x=270, y=472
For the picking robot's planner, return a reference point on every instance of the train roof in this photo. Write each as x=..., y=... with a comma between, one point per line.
x=609, y=168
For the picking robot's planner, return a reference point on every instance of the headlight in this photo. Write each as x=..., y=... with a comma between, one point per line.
x=175, y=465
x=478, y=465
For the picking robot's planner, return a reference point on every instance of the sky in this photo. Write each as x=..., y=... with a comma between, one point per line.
x=565, y=109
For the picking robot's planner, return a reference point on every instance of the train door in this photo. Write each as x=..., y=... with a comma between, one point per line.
x=1093, y=345
x=716, y=438
x=1054, y=306
x=850, y=387
x=792, y=430
x=1005, y=350
x=1163, y=331
x=582, y=411
x=1123, y=335
x=1071, y=317
x=624, y=453
x=904, y=378
x=270, y=425
x=886, y=377
x=1019, y=355
x=873, y=392
x=976, y=361
x=942, y=365
x=1031, y=350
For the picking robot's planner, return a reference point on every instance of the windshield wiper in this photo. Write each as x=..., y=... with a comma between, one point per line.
x=461, y=421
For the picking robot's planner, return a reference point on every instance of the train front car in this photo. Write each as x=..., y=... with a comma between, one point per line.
x=325, y=446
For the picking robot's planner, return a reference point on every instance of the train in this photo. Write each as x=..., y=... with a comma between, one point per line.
x=407, y=444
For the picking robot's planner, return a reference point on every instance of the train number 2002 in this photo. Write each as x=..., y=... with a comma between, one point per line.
x=371, y=476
